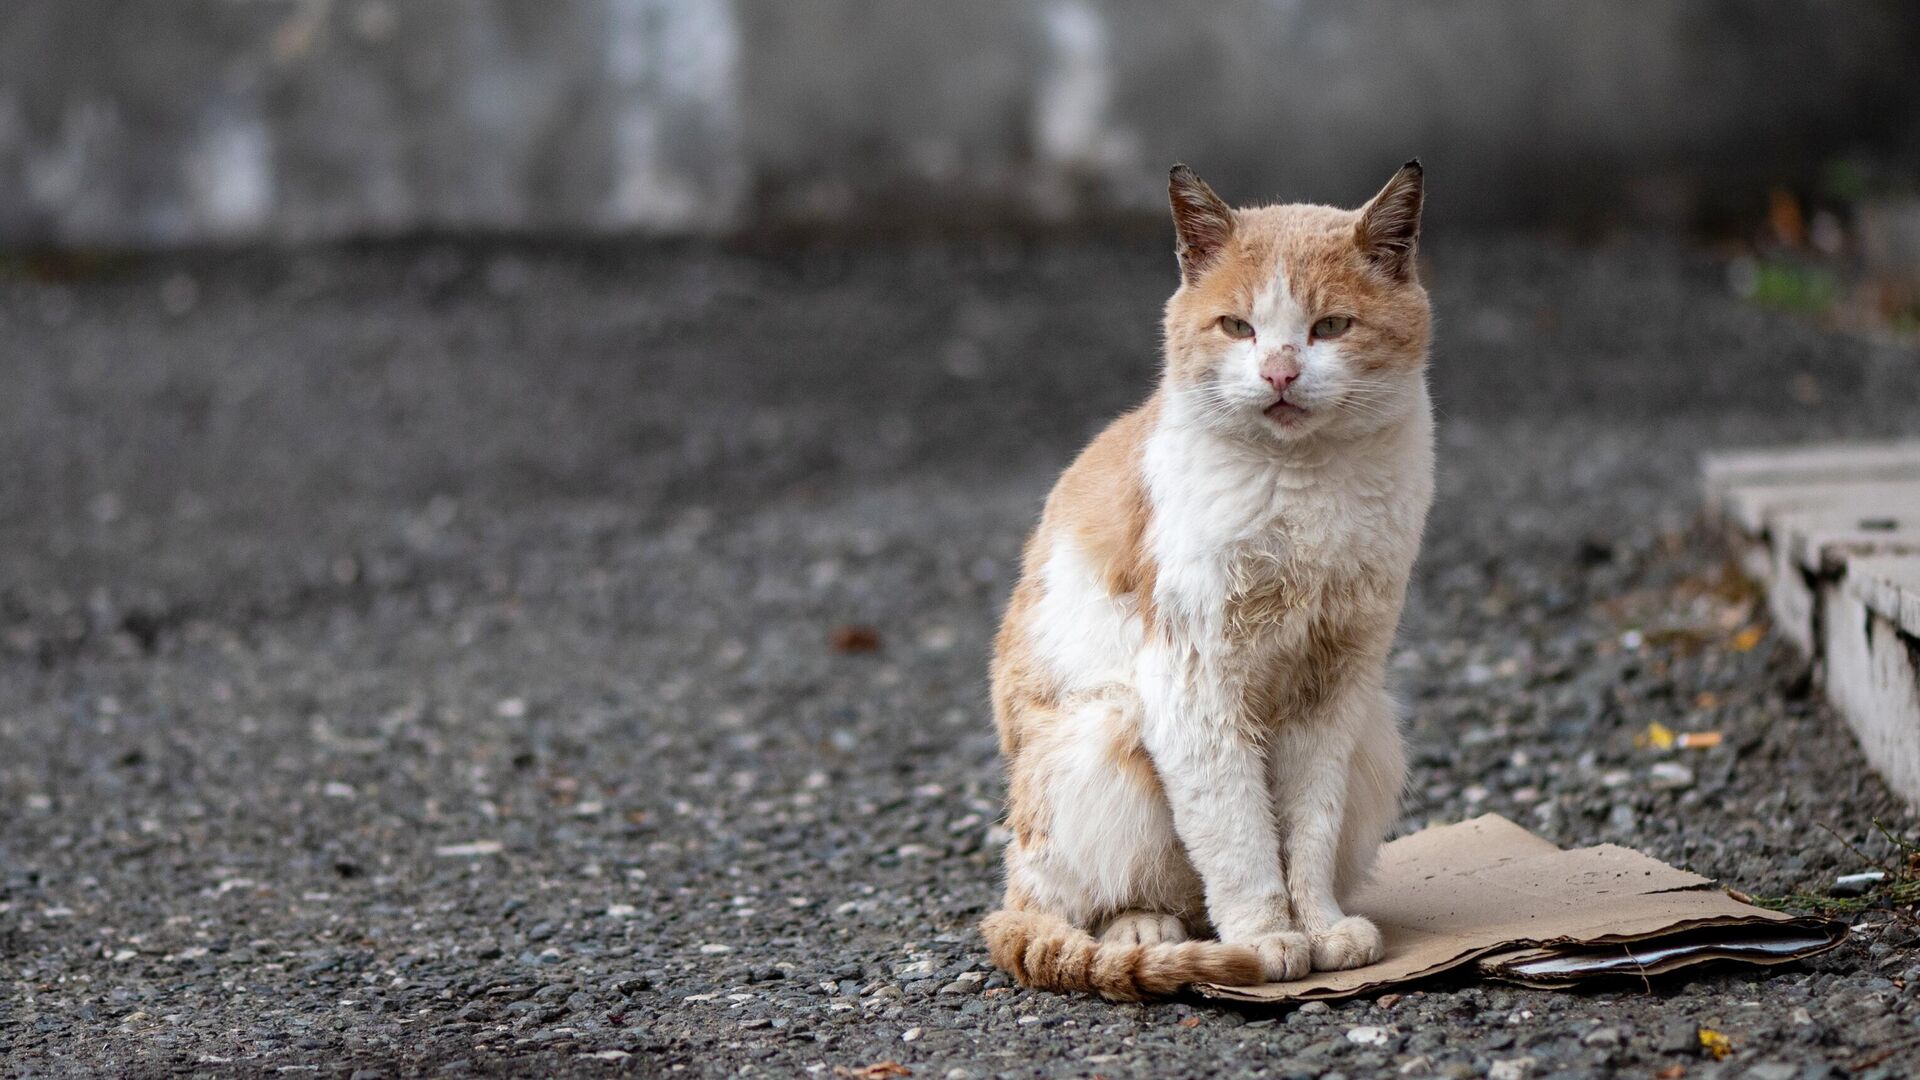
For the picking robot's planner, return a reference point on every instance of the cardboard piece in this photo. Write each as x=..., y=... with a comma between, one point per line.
x=1488, y=893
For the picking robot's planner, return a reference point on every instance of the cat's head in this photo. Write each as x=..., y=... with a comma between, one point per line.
x=1297, y=321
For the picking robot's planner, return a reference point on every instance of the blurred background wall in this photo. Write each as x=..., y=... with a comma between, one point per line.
x=197, y=121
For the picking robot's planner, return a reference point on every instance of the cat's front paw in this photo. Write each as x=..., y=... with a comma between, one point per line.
x=1284, y=956
x=1350, y=943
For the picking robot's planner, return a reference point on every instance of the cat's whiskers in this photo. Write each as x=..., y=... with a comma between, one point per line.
x=1375, y=398
x=1215, y=401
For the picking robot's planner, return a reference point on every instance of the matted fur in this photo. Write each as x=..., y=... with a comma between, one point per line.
x=1189, y=680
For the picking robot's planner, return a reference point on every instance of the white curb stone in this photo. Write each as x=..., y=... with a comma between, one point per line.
x=1833, y=533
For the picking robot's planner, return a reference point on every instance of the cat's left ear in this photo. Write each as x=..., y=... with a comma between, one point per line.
x=1202, y=223
x=1389, y=225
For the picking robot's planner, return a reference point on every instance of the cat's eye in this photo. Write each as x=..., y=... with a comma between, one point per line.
x=1331, y=327
x=1238, y=329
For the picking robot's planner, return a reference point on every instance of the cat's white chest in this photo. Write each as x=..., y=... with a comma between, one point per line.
x=1258, y=557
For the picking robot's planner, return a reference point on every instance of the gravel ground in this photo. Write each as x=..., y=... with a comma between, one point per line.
x=447, y=659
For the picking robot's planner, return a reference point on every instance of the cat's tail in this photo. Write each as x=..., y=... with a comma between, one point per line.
x=1049, y=953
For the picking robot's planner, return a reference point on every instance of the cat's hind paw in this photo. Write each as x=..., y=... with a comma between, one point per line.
x=1143, y=928
x=1284, y=956
x=1350, y=943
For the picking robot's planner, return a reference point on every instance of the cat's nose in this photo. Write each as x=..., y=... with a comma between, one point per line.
x=1280, y=369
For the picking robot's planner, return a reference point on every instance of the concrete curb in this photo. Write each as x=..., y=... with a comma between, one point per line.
x=1833, y=533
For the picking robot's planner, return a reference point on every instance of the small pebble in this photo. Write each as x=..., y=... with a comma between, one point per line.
x=1669, y=776
x=1511, y=1069
x=1367, y=1036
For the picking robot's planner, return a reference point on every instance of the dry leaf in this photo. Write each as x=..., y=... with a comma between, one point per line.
x=1671, y=1072
x=1190, y=1022
x=1745, y=640
x=1706, y=699
x=879, y=1070
x=854, y=638
x=1789, y=222
x=1658, y=735
x=1716, y=1044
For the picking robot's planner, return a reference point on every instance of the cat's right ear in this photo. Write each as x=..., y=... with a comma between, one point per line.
x=1201, y=222
x=1390, y=222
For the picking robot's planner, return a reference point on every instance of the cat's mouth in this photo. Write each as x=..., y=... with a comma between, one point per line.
x=1285, y=412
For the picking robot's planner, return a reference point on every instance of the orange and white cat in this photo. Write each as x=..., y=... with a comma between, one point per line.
x=1189, y=683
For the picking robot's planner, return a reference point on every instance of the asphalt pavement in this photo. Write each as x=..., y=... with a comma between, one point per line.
x=441, y=659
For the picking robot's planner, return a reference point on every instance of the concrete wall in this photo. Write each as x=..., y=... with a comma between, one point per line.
x=186, y=121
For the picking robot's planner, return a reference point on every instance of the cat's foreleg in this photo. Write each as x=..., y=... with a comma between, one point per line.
x=1215, y=776
x=1313, y=764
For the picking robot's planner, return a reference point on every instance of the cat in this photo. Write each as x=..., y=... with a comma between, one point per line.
x=1189, y=681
